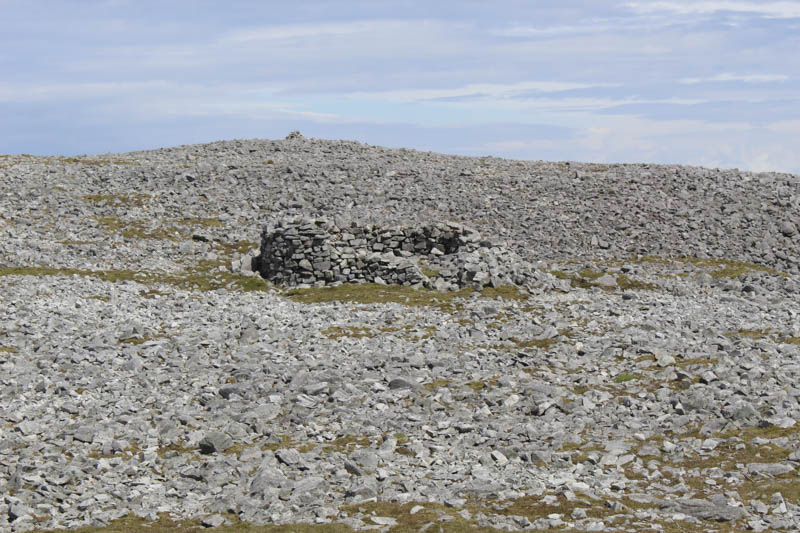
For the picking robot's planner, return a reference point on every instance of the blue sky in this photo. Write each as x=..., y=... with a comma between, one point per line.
x=712, y=83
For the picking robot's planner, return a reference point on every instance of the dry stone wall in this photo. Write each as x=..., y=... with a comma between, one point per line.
x=442, y=255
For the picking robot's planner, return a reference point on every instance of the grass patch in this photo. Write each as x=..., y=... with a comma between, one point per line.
x=139, y=340
x=683, y=363
x=165, y=524
x=625, y=283
x=789, y=340
x=196, y=279
x=373, y=293
x=586, y=277
x=478, y=386
x=430, y=513
x=75, y=243
x=8, y=349
x=722, y=268
x=624, y=378
x=118, y=200
x=335, y=332
x=429, y=272
x=754, y=334
x=505, y=292
x=95, y=162
x=437, y=384
x=138, y=230
x=543, y=344
x=411, y=333
x=208, y=222
x=346, y=444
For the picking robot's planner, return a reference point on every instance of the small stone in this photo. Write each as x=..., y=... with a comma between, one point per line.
x=401, y=383
x=499, y=457
x=788, y=228
x=288, y=456
x=84, y=434
x=214, y=521
x=352, y=468
x=455, y=502
x=606, y=280
x=215, y=442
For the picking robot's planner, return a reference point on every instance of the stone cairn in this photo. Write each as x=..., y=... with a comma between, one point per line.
x=444, y=256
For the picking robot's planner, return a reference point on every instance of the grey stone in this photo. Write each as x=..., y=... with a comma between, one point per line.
x=215, y=521
x=401, y=383
x=215, y=442
x=704, y=510
x=84, y=434
x=289, y=456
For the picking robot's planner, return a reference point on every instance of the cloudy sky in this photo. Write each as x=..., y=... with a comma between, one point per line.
x=712, y=83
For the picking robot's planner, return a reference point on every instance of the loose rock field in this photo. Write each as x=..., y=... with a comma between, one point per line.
x=644, y=379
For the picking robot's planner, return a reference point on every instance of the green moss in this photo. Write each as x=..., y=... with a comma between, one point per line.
x=622, y=378
x=8, y=349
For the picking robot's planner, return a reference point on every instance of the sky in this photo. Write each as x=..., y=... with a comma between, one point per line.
x=698, y=82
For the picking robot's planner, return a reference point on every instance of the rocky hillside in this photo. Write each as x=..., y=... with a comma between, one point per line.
x=645, y=379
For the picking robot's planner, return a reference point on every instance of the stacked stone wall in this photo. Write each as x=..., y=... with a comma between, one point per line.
x=317, y=252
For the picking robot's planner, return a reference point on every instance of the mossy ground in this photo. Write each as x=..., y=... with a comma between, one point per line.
x=197, y=278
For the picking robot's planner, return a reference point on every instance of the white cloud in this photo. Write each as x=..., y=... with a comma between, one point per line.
x=303, y=31
x=479, y=90
x=785, y=126
x=593, y=27
x=37, y=92
x=746, y=78
x=766, y=9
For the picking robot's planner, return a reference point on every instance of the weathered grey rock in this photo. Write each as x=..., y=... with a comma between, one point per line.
x=704, y=510
x=215, y=442
x=215, y=521
x=288, y=456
